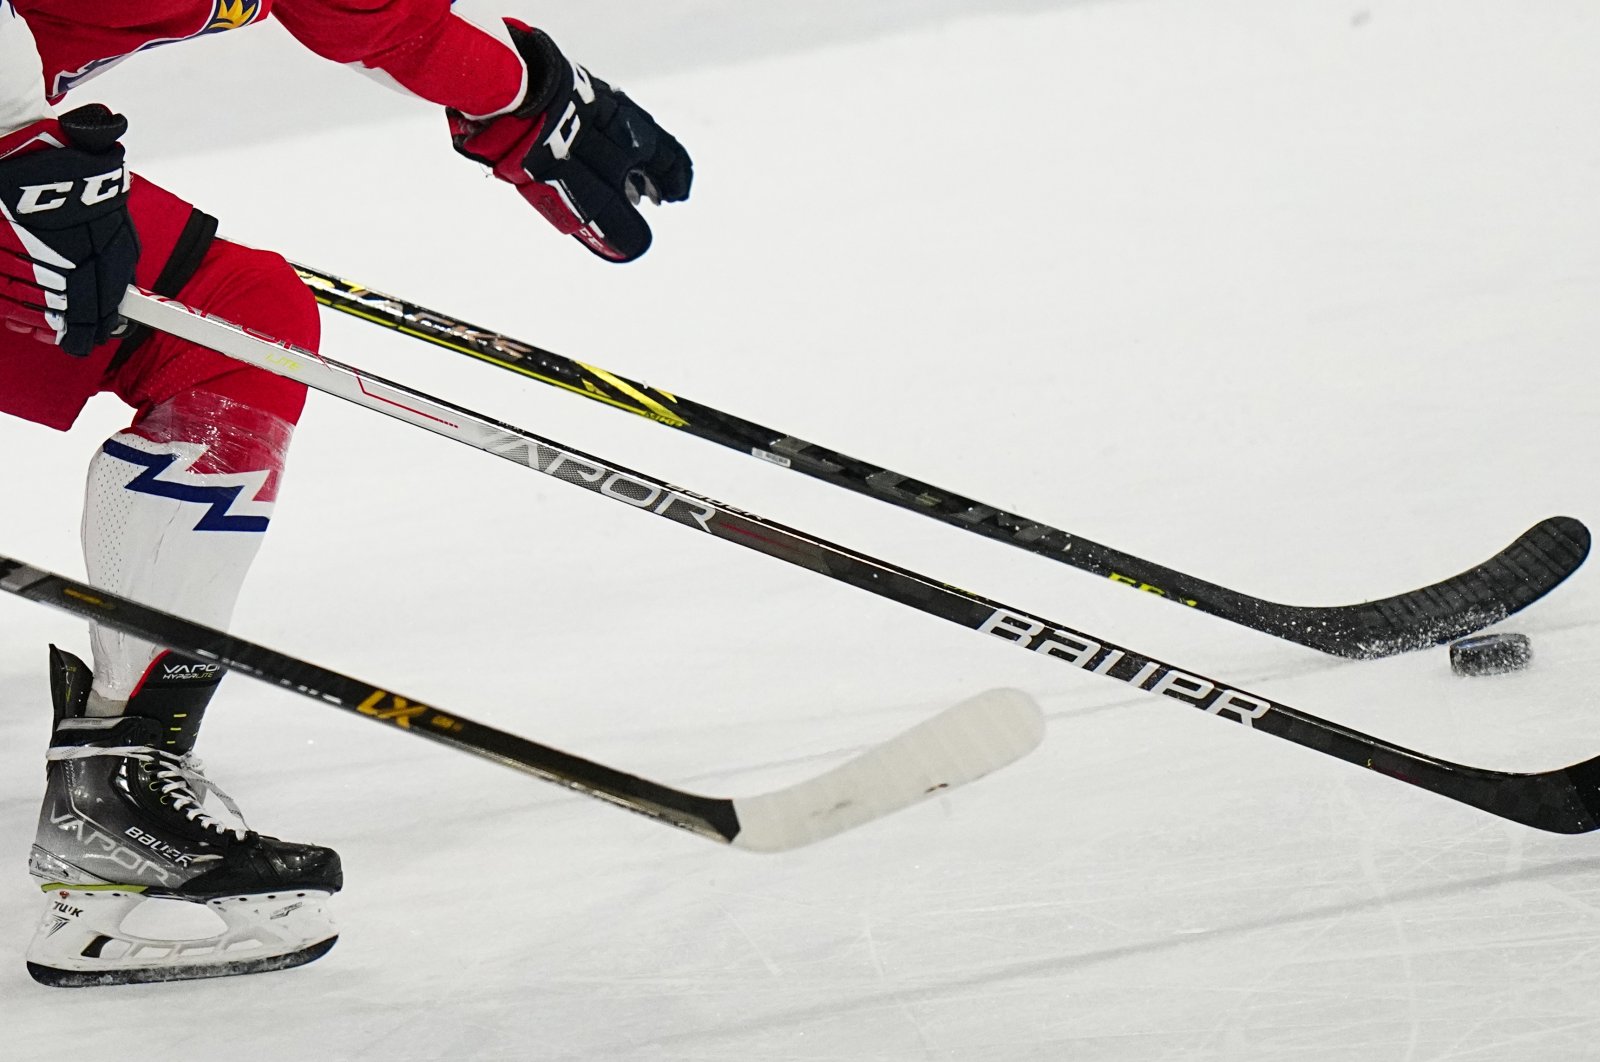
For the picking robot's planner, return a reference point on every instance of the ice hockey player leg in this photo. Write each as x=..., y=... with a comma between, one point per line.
x=124, y=827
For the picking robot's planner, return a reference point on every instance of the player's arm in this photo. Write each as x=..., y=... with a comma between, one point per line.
x=579, y=151
x=67, y=245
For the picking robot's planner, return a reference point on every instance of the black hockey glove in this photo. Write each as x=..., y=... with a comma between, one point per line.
x=580, y=151
x=67, y=245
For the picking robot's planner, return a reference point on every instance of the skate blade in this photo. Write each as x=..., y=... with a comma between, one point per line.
x=85, y=936
x=58, y=978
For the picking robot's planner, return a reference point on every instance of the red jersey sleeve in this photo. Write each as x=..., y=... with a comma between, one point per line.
x=420, y=44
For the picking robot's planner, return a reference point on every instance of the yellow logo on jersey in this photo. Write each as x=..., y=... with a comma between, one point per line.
x=225, y=15
x=231, y=14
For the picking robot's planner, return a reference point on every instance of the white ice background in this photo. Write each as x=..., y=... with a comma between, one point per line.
x=1301, y=297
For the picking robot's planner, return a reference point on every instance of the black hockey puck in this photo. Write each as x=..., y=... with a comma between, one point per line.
x=1490, y=654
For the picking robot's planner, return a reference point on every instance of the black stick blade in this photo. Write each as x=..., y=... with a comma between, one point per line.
x=1522, y=573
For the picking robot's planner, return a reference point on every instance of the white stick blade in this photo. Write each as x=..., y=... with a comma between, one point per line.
x=957, y=746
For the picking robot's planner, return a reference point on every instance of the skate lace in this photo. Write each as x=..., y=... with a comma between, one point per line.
x=179, y=779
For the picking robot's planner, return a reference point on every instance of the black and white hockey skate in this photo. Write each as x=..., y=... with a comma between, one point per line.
x=124, y=823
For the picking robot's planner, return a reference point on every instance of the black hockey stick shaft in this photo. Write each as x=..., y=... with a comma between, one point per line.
x=1562, y=801
x=1521, y=574
x=707, y=816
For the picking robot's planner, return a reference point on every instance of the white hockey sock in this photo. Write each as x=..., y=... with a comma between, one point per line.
x=175, y=511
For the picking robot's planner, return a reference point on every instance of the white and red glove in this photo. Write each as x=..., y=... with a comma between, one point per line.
x=67, y=245
x=580, y=151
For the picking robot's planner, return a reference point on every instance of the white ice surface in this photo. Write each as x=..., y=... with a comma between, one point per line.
x=1298, y=297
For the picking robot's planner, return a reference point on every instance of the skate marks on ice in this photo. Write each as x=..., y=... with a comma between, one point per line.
x=1501, y=971
x=1354, y=925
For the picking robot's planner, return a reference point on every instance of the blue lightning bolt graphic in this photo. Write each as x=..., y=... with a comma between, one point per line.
x=218, y=500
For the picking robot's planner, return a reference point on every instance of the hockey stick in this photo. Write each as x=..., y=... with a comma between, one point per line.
x=1562, y=801
x=1508, y=582
x=957, y=746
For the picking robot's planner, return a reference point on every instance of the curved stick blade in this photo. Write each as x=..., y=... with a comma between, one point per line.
x=957, y=746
